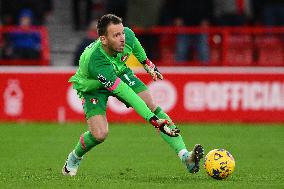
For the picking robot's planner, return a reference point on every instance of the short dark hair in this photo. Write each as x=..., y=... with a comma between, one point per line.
x=106, y=20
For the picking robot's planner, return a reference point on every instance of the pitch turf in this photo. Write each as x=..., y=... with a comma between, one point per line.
x=134, y=156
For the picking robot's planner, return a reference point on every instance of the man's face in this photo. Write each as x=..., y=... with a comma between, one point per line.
x=25, y=21
x=115, y=38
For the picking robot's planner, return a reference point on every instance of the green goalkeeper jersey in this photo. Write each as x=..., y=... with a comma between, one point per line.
x=98, y=70
x=94, y=59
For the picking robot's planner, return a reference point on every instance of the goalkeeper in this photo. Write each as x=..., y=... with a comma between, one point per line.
x=102, y=73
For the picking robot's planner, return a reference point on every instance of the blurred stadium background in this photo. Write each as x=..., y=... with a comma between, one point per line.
x=223, y=64
x=222, y=60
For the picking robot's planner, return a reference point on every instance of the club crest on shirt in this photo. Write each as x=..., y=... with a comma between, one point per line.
x=123, y=58
x=94, y=100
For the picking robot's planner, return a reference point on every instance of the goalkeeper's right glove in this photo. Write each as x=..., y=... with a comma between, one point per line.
x=162, y=125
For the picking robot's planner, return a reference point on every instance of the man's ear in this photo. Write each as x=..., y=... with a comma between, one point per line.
x=103, y=40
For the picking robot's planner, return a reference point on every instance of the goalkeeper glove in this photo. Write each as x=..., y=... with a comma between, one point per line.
x=152, y=69
x=162, y=125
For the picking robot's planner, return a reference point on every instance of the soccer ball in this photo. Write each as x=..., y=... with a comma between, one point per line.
x=219, y=164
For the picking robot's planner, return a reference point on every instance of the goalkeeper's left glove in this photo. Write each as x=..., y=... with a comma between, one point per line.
x=152, y=69
x=162, y=125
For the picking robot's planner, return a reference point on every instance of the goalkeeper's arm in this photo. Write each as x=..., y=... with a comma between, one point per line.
x=114, y=84
x=148, y=65
x=126, y=93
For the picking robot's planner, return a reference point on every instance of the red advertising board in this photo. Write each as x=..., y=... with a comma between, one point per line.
x=187, y=94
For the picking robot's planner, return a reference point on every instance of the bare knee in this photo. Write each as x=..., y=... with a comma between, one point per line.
x=152, y=106
x=99, y=134
x=98, y=126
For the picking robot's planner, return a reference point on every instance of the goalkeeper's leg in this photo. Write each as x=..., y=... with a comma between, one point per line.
x=98, y=130
x=189, y=158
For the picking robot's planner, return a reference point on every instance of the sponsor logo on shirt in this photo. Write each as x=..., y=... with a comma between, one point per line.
x=123, y=58
x=104, y=81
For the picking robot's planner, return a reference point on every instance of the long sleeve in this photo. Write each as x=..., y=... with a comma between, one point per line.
x=137, y=49
x=105, y=74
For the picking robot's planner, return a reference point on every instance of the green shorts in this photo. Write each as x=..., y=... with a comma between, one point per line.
x=94, y=103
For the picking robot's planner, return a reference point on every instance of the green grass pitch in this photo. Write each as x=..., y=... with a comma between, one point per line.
x=134, y=156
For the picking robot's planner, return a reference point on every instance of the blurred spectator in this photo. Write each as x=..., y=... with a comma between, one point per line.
x=1, y=41
x=84, y=11
x=117, y=7
x=1, y=10
x=145, y=14
x=8, y=11
x=81, y=10
x=168, y=12
x=257, y=9
x=190, y=13
x=43, y=10
x=23, y=44
x=232, y=12
x=91, y=37
x=11, y=8
x=273, y=12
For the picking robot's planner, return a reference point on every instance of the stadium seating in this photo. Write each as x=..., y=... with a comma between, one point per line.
x=270, y=51
x=229, y=46
x=44, y=58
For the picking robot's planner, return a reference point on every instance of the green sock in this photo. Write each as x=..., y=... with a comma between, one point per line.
x=85, y=144
x=176, y=143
